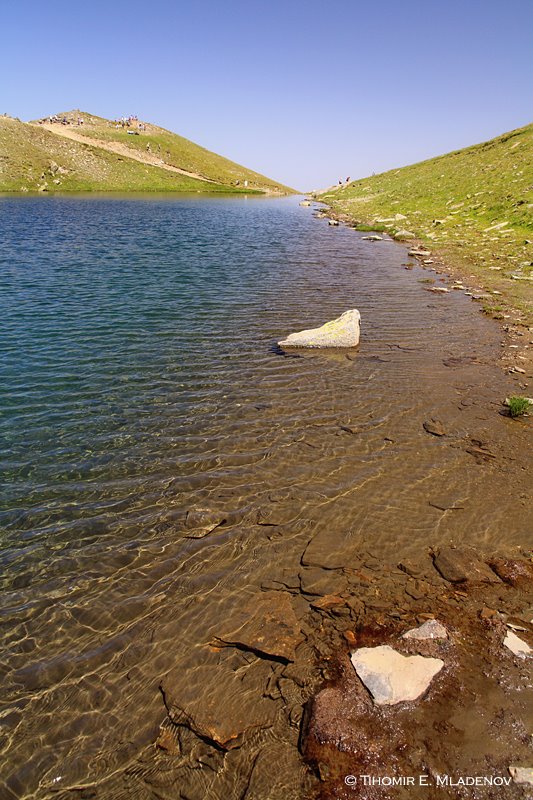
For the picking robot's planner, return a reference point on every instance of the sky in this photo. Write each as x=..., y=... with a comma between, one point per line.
x=304, y=91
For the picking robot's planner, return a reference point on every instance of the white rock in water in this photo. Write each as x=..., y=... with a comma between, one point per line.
x=516, y=645
x=391, y=677
x=305, y=203
x=334, y=223
x=429, y=630
x=522, y=774
x=340, y=332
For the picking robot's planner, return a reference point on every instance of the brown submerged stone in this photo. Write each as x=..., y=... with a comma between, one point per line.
x=217, y=701
x=266, y=624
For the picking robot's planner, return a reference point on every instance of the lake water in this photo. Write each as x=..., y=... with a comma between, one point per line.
x=161, y=458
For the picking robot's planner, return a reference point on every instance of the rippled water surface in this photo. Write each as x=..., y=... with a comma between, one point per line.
x=161, y=458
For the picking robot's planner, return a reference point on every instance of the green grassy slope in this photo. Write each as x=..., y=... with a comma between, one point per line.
x=472, y=207
x=33, y=159
x=174, y=150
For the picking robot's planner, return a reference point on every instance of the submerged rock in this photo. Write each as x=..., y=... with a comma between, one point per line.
x=373, y=238
x=432, y=629
x=330, y=550
x=305, y=203
x=317, y=581
x=391, y=677
x=435, y=427
x=340, y=332
x=216, y=701
x=266, y=624
x=202, y=521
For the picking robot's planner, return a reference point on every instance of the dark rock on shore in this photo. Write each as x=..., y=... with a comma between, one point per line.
x=463, y=564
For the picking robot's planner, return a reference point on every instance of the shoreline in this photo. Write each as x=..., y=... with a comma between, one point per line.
x=517, y=350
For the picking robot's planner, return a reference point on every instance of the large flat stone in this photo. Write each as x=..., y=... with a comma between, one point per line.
x=391, y=677
x=265, y=624
x=317, y=581
x=340, y=332
x=330, y=549
x=216, y=701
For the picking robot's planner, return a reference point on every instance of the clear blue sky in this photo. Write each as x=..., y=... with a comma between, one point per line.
x=305, y=92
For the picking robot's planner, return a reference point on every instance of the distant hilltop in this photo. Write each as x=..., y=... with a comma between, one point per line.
x=74, y=151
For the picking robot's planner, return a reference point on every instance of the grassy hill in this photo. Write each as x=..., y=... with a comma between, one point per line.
x=97, y=156
x=472, y=207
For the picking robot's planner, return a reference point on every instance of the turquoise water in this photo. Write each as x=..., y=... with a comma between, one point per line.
x=144, y=403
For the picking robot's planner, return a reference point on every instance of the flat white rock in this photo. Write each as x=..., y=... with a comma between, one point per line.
x=429, y=630
x=391, y=677
x=341, y=332
x=522, y=774
x=516, y=645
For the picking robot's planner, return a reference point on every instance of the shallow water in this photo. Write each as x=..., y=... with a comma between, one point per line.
x=140, y=382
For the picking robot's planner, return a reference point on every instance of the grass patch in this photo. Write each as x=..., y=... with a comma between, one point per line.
x=495, y=312
x=375, y=228
x=518, y=406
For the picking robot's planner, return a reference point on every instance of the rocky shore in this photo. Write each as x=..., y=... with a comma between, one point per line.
x=517, y=335
x=278, y=708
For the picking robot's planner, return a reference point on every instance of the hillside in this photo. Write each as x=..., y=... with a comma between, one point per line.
x=90, y=153
x=472, y=207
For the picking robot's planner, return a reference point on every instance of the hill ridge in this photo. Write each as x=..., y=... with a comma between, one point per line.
x=127, y=154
